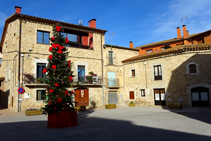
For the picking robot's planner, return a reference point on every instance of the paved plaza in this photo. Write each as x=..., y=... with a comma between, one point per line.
x=123, y=123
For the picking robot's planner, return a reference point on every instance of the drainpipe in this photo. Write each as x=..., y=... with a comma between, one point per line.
x=19, y=59
x=102, y=70
x=145, y=74
x=13, y=77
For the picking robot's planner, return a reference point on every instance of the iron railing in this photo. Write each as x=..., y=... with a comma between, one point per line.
x=112, y=82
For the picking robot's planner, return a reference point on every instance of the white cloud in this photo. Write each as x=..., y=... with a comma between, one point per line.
x=2, y=19
x=198, y=20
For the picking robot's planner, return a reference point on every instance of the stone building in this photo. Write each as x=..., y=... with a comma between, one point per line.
x=28, y=37
x=177, y=74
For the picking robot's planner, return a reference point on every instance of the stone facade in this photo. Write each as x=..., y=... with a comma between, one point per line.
x=33, y=53
x=176, y=79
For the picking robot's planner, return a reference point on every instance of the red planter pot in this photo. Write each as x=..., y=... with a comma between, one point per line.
x=62, y=119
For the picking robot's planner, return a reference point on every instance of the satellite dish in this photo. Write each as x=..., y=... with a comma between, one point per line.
x=80, y=22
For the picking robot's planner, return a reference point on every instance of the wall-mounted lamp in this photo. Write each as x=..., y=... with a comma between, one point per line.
x=145, y=63
x=104, y=46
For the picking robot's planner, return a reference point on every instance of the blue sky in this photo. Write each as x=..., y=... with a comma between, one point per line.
x=139, y=21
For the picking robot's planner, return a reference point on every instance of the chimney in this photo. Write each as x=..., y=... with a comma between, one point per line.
x=187, y=33
x=17, y=9
x=92, y=23
x=178, y=32
x=184, y=31
x=131, y=44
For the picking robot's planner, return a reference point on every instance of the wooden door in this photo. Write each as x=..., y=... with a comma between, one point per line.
x=82, y=97
x=131, y=95
x=200, y=96
x=159, y=95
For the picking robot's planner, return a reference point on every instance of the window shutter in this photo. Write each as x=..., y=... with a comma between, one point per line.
x=192, y=68
x=131, y=94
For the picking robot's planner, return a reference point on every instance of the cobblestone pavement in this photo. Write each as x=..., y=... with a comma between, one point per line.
x=123, y=123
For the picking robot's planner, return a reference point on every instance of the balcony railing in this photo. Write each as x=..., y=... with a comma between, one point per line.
x=95, y=80
x=112, y=82
x=39, y=79
x=33, y=78
x=78, y=45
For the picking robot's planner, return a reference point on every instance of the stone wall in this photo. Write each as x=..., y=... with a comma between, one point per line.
x=119, y=54
x=176, y=80
x=39, y=54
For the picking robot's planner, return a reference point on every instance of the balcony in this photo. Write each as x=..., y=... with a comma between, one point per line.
x=78, y=45
x=112, y=83
x=33, y=80
x=96, y=82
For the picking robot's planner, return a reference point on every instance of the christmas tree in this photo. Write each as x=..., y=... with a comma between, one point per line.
x=59, y=75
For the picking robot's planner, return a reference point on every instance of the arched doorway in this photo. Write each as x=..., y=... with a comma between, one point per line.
x=82, y=97
x=200, y=96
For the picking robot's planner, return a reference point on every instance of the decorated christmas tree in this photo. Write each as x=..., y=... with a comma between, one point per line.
x=58, y=75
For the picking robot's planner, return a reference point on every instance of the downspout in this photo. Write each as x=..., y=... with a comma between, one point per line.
x=19, y=60
x=102, y=71
x=13, y=77
x=145, y=74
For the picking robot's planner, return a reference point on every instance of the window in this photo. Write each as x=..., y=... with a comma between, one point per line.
x=111, y=57
x=41, y=94
x=157, y=72
x=81, y=73
x=149, y=51
x=133, y=72
x=192, y=68
x=71, y=37
x=43, y=37
x=0, y=61
x=143, y=92
x=131, y=95
x=40, y=67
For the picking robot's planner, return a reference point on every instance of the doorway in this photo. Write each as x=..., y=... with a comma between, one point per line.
x=82, y=97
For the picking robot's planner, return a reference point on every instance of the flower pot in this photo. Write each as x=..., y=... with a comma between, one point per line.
x=62, y=119
x=33, y=112
x=110, y=106
x=175, y=106
x=131, y=104
x=80, y=108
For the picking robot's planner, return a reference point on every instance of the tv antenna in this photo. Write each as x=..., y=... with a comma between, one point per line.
x=181, y=21
x=112, y=39
x=186, y=20
x=80, y=22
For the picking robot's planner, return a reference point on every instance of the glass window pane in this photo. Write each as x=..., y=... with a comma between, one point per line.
x=39, y=36
x=156, y=71
x=64, y=34
x=72, y=37
x=0, y=61
x=157, y=97
x=195, y=96
x=160, y=72
x=110, y=57
x=204, y=96
x=46, y=37
x=38, y=95
x=81, y=73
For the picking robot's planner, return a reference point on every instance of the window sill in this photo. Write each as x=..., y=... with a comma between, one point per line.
x=35, y=85
x=39, y=101
x=44, y=44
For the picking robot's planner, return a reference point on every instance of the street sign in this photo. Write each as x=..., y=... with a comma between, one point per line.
x=21, y=90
